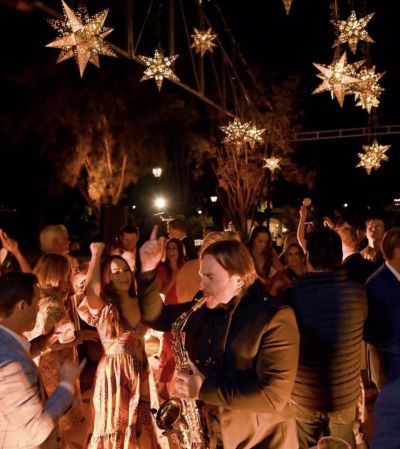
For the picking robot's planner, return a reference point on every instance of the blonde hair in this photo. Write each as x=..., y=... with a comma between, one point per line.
x=51, y=270
x=49, y=235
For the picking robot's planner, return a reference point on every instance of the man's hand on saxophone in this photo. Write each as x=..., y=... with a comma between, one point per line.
x=187, y=386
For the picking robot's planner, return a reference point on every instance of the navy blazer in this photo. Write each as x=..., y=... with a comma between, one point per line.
x=387, y=418
x=382, y=328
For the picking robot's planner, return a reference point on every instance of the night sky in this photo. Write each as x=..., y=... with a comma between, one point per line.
x=271, y=41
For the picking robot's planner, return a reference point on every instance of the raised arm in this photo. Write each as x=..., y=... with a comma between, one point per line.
x=152, y=308
x=12, y=246
x=301, y=228
x=93, y=278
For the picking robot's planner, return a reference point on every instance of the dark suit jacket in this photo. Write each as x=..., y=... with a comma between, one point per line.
x=358, y=269
x=250, y=385
x=382, y=328
x=387, y=418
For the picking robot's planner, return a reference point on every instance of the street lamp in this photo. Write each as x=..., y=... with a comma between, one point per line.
x=157, y=172
x=213, y=198
x=160, y=202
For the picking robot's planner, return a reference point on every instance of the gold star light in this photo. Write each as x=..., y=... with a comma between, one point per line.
x=373, y=156
x=368, y=90
x=336, y=78
x=159, y=68
x=81, y=37
x=203, y=41
x=287, y=4
x=254, y=135
x=353, y=30
x=236, y=132
x=272, y=163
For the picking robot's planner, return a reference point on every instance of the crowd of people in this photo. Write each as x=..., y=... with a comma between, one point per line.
x=281, y=345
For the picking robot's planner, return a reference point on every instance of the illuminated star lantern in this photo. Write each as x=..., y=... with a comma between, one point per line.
x=353, y=30
x=81, y=37
x=159, y=67
x=368, y=90
x=287, y=4
x=336, y=78
x=272, y=163
x=373, y=156
x=236, y=132
x=203, y=41
x=254, y=135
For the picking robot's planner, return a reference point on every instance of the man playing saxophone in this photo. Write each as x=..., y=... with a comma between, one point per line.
x=243, y=346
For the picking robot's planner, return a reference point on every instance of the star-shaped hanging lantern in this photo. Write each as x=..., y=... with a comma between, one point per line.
x=367, y=91
x=353, y=30
x=254, y=135
x=159, y=67
x=336, y=78
x=81, y=37
x=287, y=4
x=272, y=163
x=236, y=132
x=203, y=41
x=373, y=156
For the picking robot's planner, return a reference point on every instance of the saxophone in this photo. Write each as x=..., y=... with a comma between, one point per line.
x=183, y=417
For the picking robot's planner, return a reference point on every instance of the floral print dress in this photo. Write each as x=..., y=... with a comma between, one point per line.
x=51, y=314
x=124, y=390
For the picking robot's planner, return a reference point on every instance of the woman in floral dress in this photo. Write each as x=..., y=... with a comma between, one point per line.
x=124, y=391
x=53, y=273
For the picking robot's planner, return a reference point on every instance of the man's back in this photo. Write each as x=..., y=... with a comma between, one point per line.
x=330, y=312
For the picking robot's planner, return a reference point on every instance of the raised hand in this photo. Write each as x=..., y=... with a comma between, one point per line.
x=8, y=243
x=151, y=251
x=70, y=371
x=97, y=248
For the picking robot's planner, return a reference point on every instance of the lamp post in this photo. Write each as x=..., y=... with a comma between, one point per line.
x=157, y=171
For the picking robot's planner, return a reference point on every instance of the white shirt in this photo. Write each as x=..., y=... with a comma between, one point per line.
x=393, y=270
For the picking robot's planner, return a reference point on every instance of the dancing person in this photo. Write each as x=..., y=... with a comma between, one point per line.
x=295, y=267
x=10, y=246
x=177, y=229
x=330, y=311
x=27, y=418
x=266, y=260
x=124, y=391
x=166, y=277
x=375, y=229
x=243, y=345
x=382, y=330
x=126, y=246
x=53, y=273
